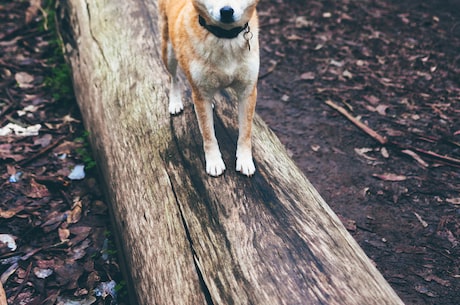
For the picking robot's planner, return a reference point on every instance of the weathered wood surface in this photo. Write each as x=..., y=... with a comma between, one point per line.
x=2, y=295
x=189, y=238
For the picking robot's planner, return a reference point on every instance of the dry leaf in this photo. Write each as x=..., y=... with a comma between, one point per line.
x=69, y=119
x=347, y=74
x=63, y=234
x=75, y=214
x=27, y=109
x=44, y=141
x=68, y=273
x=24, y=80
x=336, y=63
x=8, y=241
x=382, y=109
x=20, y=130
x=373, y=100
x=455, y=201
x=81, y=233
x=307, y=76
x=424, y=290
x=363, y=151
x=384, y=153
x=294, y=37
x=54, y=220
x=7, y=153
x=79, y=251
x=432, y=277
x=416, y=157
x=32, y=10
x=390, y=177
x=42, y=273
x=302, y=22
x=11, y=212
x=36, y=190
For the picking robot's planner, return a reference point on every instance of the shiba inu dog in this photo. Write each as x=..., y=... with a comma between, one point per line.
x=215, y=42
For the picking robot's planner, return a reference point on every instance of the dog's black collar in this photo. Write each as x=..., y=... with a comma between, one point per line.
x=220, y=32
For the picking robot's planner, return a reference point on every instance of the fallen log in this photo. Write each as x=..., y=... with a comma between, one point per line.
x=188, y=238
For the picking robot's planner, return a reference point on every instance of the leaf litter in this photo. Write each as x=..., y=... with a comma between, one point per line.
x=54, y=222
x=376, y=85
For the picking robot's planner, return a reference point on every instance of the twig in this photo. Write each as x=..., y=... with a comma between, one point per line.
x=270, y=69
x=24, y=281
x=358, y=123
x=384, y=141
x=11, y=106
x=41, y=152
x=431, y=154
x=415, y=157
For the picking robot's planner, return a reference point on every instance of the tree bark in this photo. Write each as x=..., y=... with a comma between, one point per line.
x=188, y=238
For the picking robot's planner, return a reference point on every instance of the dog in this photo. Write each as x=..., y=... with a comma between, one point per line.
x=215, y=42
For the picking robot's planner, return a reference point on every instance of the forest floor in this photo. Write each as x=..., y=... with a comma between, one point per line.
x=395, y=66
x=364, y=94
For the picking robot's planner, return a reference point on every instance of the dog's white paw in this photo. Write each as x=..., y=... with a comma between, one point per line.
x=175, y=101
x=245, y=165
x=176, y=108
x=215, y=166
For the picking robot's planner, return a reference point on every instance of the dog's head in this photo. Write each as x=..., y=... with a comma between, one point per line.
x=225, y=13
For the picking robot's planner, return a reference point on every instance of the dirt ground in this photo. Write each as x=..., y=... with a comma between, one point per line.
x=396, y=66
x=395, y=182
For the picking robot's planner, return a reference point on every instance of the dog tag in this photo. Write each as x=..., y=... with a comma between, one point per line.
x=248, y=36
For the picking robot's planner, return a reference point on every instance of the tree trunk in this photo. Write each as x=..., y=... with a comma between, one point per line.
x=188, y=238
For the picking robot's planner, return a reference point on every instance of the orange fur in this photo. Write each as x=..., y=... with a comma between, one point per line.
x=210, y=64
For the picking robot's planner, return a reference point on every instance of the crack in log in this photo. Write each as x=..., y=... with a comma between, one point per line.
x=101, y=50
x=204, y=286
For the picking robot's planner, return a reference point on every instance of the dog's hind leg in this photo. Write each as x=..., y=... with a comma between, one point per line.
x=175, y=96
x=170, y=61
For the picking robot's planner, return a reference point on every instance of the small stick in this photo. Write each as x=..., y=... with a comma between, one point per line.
x=446, y=159
x=382, y=140
x=270, y=69
x=24, y=282
x=415, y=156
x=41, y=152
x=358, y=123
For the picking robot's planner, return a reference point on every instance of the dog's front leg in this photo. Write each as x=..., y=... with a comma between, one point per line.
x=246, y=108
x=215, y=166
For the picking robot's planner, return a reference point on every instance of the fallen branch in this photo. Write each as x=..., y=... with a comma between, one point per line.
x=406, y=149
x=428, y=153
x=358, y=123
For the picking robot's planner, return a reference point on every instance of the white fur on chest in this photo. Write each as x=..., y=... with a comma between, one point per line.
x=224, y=63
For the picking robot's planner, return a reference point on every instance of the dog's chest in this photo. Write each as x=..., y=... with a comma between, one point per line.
x=223, y=68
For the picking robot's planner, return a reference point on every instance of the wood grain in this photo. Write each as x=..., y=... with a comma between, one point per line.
x=188, y=238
